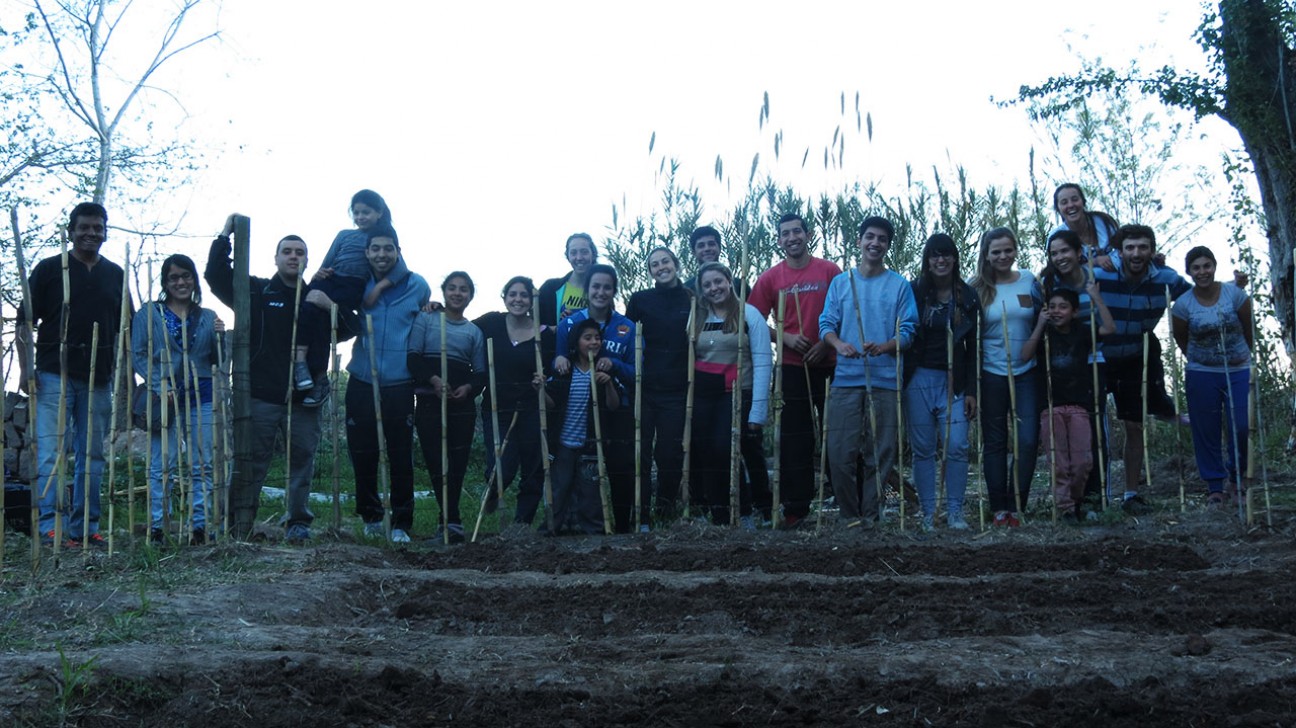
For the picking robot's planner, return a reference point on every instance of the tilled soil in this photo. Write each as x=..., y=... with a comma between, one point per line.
x=1168, y=620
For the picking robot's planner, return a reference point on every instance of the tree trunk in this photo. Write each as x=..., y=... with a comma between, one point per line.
x=1260, y=102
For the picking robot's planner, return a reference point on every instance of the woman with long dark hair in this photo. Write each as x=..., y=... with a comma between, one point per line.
x=173, y=347
x=723, y=356
x=513, y=333
x=939, y=395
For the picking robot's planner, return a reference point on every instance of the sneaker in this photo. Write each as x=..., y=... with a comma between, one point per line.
x=926, y=523
x=297, y=533
x=1006, y=519
x=47, y=538
x=791, y=522
x=1214, y=501
x=747, y=523
x=956, y=521
x=456, y=535
x=97, y=541
x=302, y=379
x=156, y=536
x=199, y=537
x=374, y=530
x=318, y=395
x=1136, y=506
x=643, y=528
x=399, y=536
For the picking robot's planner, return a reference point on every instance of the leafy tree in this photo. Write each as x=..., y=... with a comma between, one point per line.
x=1251, y=49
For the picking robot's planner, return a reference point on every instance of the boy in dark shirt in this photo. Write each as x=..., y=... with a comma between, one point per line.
x=1064, y=358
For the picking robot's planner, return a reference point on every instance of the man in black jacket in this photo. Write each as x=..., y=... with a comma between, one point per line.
x=271, y=366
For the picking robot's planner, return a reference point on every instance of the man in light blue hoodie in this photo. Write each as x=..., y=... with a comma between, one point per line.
x=869, y=317
x=393, y=315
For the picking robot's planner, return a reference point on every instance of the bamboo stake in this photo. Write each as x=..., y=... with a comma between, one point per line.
x=1264, y=460
x=1232, y=426
x=1013, y=417
x=491, y=474
x=736, y=427
x=30, y=353
x=495, y=424
x=544, y=416
x=980, y=442
x=148, y=409
x=215, y=508
x=188, y=496
x=384, y=477
x=3, y=510
x=899, y=357
x=868, y=388
x=445, y=440
x=1174, y=377
x=333, y=416
x=61, y=480
x=1048, y=389
x=1147, y=459
x=292, y=387
x=122, y=374
x=822, y=475
x=688, y=410
x=598, y=445
x=638, y=421
x=942, y=476
x=1100, y=421
x=814, y=414
x=204, y=460
x=776, y=501
x=89, y=435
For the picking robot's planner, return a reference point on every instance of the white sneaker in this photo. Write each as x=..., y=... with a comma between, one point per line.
x=374, y=530
x=399, y=536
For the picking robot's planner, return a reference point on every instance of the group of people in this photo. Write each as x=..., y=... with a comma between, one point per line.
x=860, y=355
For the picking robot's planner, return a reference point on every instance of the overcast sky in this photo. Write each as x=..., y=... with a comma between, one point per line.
x=495, y=129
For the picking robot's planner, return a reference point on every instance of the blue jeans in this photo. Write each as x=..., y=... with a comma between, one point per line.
x=189, y=429
x=927, y=402
x=89, y=457
x=995, y=404
x=1208, y=401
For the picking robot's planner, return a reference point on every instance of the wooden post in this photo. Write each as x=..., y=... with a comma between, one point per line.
x=1147, y=459
x=495, y=426
x=384, y=476
x=123, y=374
x=189, y=495
x=1232, y=426
x=941, y=476
x=1260, y=434
x=1100, y=422
x=292, y=389
x=491, y=474
x=226, y=462
x=242, y=373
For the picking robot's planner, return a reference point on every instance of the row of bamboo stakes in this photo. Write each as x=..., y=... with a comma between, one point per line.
x=217, y=510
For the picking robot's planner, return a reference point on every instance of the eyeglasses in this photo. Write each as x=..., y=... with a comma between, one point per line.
x=179, y=278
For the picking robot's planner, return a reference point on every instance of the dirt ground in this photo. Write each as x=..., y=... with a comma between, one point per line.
x=1169, y=619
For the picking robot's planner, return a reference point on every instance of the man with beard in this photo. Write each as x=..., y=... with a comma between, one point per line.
x=1136, y=296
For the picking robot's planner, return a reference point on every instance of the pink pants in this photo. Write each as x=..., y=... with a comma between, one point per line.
x=1069, y=452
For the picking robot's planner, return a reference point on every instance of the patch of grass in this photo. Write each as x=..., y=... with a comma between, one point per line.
x=72, y=683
